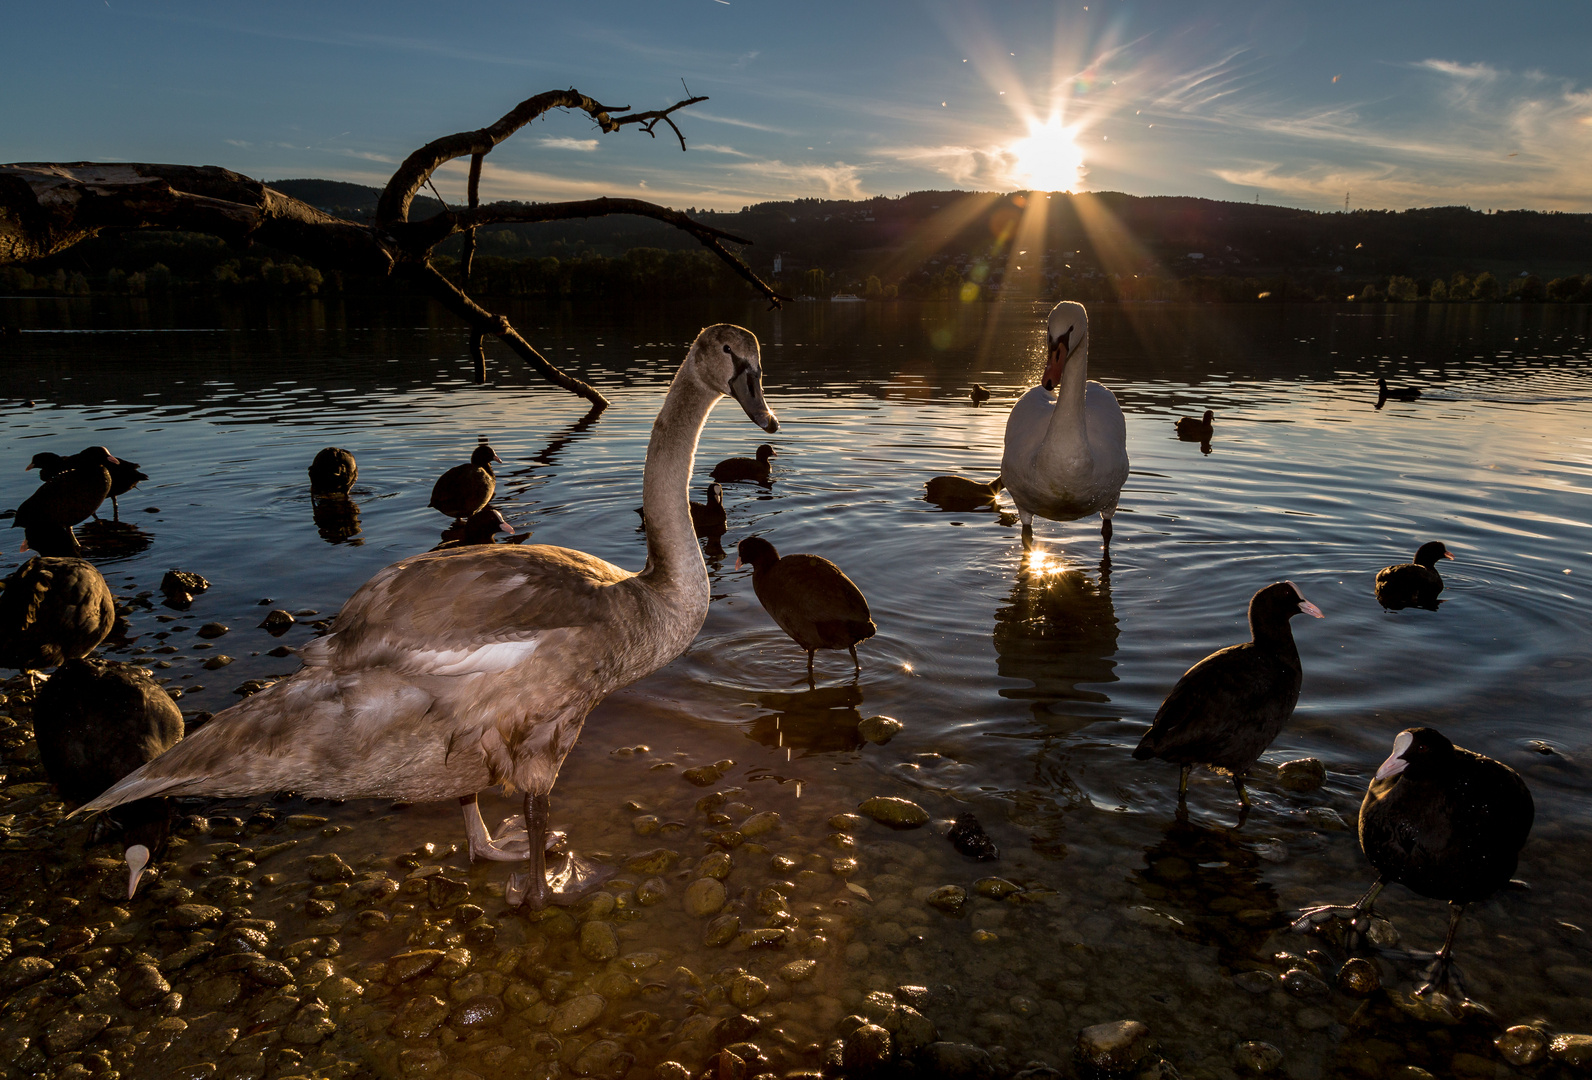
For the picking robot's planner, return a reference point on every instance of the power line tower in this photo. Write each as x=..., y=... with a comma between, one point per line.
x=1345, y=202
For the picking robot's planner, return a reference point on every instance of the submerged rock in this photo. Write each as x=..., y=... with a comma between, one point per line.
x=1359, y=977
x=867, y=1049
x=895, y=812
x=1257, y=1057
x=1113, y=1047
x=948, y=898
x=1522, y=1045
x=1303, y=774
x=969, y=838
x=880, y=729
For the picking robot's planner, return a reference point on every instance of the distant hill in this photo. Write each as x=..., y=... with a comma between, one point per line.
x=356, y=202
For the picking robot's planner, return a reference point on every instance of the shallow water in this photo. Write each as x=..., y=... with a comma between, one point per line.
x=1022, y=685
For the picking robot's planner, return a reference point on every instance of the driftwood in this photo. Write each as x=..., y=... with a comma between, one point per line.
x=47, y=207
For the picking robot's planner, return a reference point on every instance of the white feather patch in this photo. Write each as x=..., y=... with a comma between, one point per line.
x=482, y=660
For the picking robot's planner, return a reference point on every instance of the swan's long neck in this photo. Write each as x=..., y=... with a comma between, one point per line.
x=673, y=557
x=1068, y=436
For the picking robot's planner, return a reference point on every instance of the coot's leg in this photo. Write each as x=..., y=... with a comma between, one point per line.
x=1358, y=914
x=1442, y=973
x=572, y=879
x=1243, y=796
x=809, y=663
x=1182, y=783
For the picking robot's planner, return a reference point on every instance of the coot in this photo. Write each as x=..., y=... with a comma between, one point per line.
x=1192, y=430
x=979, y=394
x=958, y=493
x=810, y=598
x=481, y=527
x=333, y=472
x=1384, y=392
x=757, y=470
x=1413, y=584
x=464, y=489
x=1227, y=708
x=125, y=475
x=1444, y=821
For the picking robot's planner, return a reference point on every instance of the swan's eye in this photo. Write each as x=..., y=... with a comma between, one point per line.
x=729, y=350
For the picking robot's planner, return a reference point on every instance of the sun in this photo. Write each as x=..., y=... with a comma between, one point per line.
x=1048, y=159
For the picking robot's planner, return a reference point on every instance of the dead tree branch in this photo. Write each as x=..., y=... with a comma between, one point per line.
x=47, y=207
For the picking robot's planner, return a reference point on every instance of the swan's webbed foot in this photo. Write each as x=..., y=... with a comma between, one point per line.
x=562, y=880
x=483, y=846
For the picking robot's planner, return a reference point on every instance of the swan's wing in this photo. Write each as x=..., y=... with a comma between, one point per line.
x=1108, y=428
x=467, y=610
x=1026, y=425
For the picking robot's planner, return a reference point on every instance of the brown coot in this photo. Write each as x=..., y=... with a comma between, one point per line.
x=481, y=527
x=1384, y=392
x=333, y=472
x=51, y=611
x=1443, y=821
x=1192, y=430
x=757, y=470
x=454, y=671
x=95, y=721
x=960, y=493
x=810, y=598
x=1227, y=708
x=709, y=520
x=464, y=489
x=979, y=393
x=1413, y=584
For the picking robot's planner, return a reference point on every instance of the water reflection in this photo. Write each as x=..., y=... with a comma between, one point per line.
x=1205, y=879
x=336, y=518
x=812, y=721
x=1058, y=632
x=110, y=540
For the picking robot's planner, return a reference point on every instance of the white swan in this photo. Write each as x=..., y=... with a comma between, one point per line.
x=1066, y=454
x=458, y=670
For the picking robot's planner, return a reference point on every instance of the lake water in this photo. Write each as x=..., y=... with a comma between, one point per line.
x=1022, y=685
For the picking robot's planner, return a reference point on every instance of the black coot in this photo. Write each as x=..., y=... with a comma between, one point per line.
x=464, y=489
x=1192, y=430
x=958, y=493
x=759, y=470
x=125, y=475
x=333, y=472
x=979, y=393
x=1227, y=708
x=1444, y=821
x=1413, y=584
x=481, y=527
x=810, y=598
x=709, y=520
x=95, y=721
x=70, y=495
x=1394, y=393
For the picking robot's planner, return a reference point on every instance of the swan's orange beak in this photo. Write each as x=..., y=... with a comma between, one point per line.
x=1060, y=353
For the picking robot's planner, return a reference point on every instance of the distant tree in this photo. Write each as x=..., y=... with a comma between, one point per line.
x=1439, y=292
x=1567, y=289
x=1369, y=294
x=816, y=282
x=1460, y=287
x=1531, y=290
x=891, y=291
x=1486, y=287
x=873, y=289
x=1400, y=287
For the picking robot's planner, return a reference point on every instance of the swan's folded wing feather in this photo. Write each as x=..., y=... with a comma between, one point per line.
x=478, y=609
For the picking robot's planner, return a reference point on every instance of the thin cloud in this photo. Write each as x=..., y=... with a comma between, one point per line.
x=714, y=118
x=565, y=142
x=713, y=148
x=837, y=181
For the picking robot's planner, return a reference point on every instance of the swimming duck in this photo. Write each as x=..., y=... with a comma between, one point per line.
x=1227, y=708
x=1066, y=453
x=1443, y=821
x=1413, y=584
x=333, y=472
x=51, y=611
x=95, y=721
x=979, y=394
x=960, y=493
x=757, y=470
x=1192, y=430
x=464, y=489
x=810, y=598
x=708, y=519
x=458, y=670
x=1394, y=393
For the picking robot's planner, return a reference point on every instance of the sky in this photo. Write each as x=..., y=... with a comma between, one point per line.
x=1389, y=104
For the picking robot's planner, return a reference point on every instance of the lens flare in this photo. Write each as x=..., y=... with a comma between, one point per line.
x=1048, y=159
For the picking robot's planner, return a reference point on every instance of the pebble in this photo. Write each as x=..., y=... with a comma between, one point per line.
x=481, y=1011
x=1301, y=774
x=704, y=897
x=1313, y=1019
x=328, y=868
x=843, y=867
x=69, y=1031
x=1359, y=977
x=1522, y=1045
x=1326, y=818
x=721, y=930
x=1257, y=1057
x=599, y=942
x=996, y=888
x=959, y=1061
x=603, y=1057
x=651, y=891
x=24, y=970
x=985, y=937
x=654, y=862
x=1113, y=1047
x=310, y=1025
x=216, y=662
x=143, y=985
x=867, y=1049
x=418, y=1017
x=1301, y=983
x=970, y=839
x=212, y=630
x=193, y=916
x=760, y=824
x=1256, y=982
x=747, y=992
x=895, y=812
x=1574, y=1050
x=717, y=865
x=912, y=1031
x=846, y=822
x=879, y=730
x=576, y=1014
x=947, y=898
x=277, y=621
x=704, y=775
x=412, y=965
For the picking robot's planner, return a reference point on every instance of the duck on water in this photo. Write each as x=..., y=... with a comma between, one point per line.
x=459, y=670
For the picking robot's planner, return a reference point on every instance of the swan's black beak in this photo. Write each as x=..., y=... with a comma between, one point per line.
x=746, y=386
x=1057, y=360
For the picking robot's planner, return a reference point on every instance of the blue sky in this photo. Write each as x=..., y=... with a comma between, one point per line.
x=1396, y=104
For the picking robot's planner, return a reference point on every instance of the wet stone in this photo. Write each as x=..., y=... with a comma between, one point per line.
x=846, y=822
x=443, y=891
x=72, y=1030
x=418, y=1017
x=721, y=930
x=1359, y=977
x=328, y=868
x=193, y=916
x=1113, y=1047
x=277, y=621
x=24, y=970
x=651, y=891
x=1257, y=1058
x=340, y=990
x=704, y=775
x=601, y=1058
x=598, y=941
x=422, y=1061
x=912, y=1031
x=996, y=888
x=1256, y=982
x=704, y=897
x=959, y=1061
x=947, y=898
x=412, y=965
x=654, y=862
x=970, y=839
x=309, y=1025
x=867, y=1049
x=481, y=1011
x=1522, y=1045
x=1326, y=819
x=748, y=991
x=1301, y=983
x=1573, y=1050
x=1302, y=774
x=895, y=812
x=1313, y=1019
x=576, y=1014
x=217, y=992
x=143, y=985
x=734, y=1029
x=797, y=970
x=879, y=730
x=212, y=630
x=269, y=972
x=216, y=662
x=760, y=824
